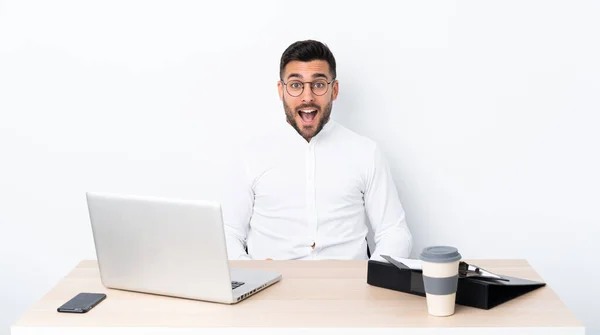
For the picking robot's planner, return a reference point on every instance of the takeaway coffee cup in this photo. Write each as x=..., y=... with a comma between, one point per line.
x=440, y=276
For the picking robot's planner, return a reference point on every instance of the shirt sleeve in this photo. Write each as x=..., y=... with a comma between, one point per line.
x=385, y=212
x=237, y=207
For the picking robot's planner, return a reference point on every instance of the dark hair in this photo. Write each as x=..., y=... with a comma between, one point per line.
x=306, y=51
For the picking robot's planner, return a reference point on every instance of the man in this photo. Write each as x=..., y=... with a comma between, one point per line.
x=309, y=190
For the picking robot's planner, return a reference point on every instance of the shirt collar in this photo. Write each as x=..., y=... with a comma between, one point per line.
x=324, y=133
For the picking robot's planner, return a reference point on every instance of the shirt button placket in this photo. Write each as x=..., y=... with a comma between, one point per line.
x=310, y=193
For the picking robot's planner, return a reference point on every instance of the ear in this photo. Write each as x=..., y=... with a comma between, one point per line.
x=280, y=90
x=336, y=89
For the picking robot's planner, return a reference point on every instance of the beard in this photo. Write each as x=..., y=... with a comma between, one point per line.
x=307, y=134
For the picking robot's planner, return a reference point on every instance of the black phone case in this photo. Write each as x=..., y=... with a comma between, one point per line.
x=86, y=303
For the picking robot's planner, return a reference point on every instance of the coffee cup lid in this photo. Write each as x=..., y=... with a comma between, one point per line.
x=440, y=254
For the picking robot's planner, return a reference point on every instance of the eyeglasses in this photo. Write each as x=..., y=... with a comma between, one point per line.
x=296, y=87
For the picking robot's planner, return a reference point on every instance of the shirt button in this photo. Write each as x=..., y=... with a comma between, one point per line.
x=313, y=246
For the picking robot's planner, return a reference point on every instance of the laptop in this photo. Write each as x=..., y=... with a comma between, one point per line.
x=168, y=247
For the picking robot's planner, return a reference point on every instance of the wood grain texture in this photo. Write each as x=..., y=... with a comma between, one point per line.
x=311, y=294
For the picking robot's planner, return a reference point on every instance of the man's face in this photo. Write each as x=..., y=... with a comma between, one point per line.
x=307, y=112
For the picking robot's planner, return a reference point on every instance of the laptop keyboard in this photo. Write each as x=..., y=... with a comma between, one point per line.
x=236, y=284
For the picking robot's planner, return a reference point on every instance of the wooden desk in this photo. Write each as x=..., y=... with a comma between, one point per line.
x=320, y=295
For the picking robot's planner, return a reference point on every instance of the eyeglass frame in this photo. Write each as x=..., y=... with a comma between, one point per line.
x=311, y=86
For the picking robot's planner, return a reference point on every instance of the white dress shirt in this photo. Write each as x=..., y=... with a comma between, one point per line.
x=293, y=199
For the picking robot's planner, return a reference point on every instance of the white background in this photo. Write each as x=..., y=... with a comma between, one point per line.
x=488, y=113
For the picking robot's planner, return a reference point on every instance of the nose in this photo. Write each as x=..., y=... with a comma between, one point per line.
x=307, y=94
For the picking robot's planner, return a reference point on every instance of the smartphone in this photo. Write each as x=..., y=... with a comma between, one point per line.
x=82, y=303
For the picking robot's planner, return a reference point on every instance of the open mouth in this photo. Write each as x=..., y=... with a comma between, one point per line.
x=307, y=115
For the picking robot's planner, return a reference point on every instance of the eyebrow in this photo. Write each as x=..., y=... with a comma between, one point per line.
x=315, y=75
